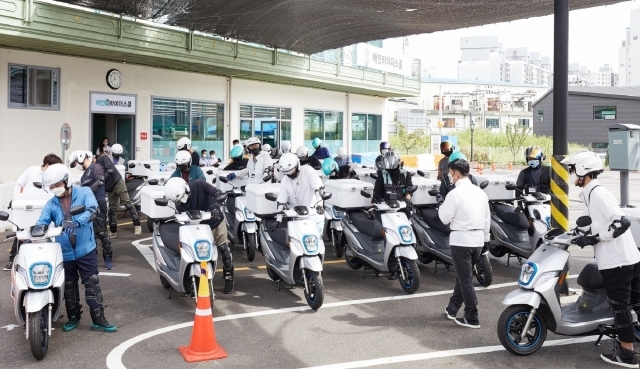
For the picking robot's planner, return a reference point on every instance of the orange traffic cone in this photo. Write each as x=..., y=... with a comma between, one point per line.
x=510, y=165
x=493, y=165
x=481, y=169
x=203, y=346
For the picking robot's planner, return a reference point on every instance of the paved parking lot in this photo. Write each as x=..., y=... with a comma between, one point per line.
x=363, y=322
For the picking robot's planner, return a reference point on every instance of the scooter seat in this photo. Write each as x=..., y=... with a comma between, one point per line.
x=500, y=209
x=370, y=227
x=133, y=184
x=515, y=219
x=430, y=216
x=280, y=235
x=590, y=277
x=169, y=233
x=231, y=205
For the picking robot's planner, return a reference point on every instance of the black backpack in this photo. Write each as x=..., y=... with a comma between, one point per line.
x=111, y=174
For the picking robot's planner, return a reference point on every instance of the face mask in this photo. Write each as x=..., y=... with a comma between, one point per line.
x=534, y=163
x=183, y=168
x=573, y=177
x=450, y=178
x=384, y=151
x=447, y=153
x=204, y=155
x=256, y=151
x=58, y=191
x=116, y=156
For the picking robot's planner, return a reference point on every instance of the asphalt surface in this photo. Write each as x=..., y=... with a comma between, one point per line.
x=361, y=319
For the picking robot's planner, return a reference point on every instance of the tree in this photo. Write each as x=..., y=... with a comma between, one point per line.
x=408, y=141
x=516, y=135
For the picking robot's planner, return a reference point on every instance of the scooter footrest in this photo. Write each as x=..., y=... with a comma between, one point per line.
x=607, y=329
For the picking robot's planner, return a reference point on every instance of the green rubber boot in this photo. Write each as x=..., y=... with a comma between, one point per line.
x=100, y=323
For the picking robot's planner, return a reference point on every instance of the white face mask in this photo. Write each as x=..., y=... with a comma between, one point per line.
x=384, y=151
x=573, y=177
x=58, y=191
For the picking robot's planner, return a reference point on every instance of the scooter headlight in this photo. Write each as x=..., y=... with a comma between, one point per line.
x=528, y=272
x=310, y=244
x=203, y=250
x=337, y=214
x=249, y=214
x=40, y=274
x=406, y=234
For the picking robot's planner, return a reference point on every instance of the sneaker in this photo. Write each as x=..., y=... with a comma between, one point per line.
x=103, y=326
x=450, y=314
x=113, y=234
x=466, y=323
x=72, y=324
x=621, y=357
x=137, y=230
x=8, y=266
x=108, y=263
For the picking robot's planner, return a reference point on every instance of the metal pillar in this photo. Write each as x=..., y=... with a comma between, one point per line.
x=559, y=174
x=624, y=188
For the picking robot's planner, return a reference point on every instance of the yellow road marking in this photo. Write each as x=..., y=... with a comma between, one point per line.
x=261, y=267
x=334, y=261
x=121, y=224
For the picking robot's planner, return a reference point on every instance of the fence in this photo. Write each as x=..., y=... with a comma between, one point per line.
x=503, y=155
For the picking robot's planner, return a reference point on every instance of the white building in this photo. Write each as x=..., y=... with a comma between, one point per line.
x=624, y=70
x=604, y=76
x=578, y=76
x=631, y=52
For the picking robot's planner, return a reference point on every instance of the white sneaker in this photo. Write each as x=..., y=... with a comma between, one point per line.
x=137, y=230
x=113, y=234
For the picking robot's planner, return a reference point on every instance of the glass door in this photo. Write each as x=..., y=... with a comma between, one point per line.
x=267, y=131
x=124, y=136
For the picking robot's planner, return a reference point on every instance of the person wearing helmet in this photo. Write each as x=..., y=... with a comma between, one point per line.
x=320, y=152
x=185, y=170
x=298, y=187
x=184, y=144
x=446, y=148
x=385, y=147
x=238, y=162
x=285, y=147
x=24, y=184
x=615, y=251
x=342, y=158
x=466, y=210
x=446, y=183
x=117, y=151
x=93, y=177
x=535, y=177
x=332, y=170
x=259, y=165
x=200, y=195
x=305, y=159
x=117, y=194
x=79, y=254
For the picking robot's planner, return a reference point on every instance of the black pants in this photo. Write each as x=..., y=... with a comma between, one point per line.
x=14, y=250
x=463, y=260
x=623, y=290
x=83, y=268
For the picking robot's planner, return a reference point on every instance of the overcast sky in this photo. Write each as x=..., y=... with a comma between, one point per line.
x=595, y=35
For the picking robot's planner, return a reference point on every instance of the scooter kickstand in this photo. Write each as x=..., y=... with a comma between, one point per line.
x=278, y=288
x=170, y=290
x=435, y=270
x=598, y=340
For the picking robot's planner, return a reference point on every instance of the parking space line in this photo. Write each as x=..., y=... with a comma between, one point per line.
x=146, y=251
x=115, y=274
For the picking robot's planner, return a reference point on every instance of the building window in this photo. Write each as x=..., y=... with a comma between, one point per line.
x=604, y=112
x=201, y=121
x=325, y=125
x=540, y=115
x=492, y=123
x=366, y=132
x=523, y=122
x=271, y=124
x=33, y=87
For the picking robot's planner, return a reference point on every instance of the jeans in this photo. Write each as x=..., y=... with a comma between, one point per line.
x=463, y=259
x=623, y=289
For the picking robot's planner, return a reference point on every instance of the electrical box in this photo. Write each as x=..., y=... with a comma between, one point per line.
x=624, y=140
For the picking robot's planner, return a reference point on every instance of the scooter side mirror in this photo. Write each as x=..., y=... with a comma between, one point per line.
x=511, y=187
x=412, y=189
x=326, y=195
x=271, y=196
x=161, y=202
x=583, y=221
x=153, y=182
x=434, y=192
x=484, y=184
x=132, y=165
x=37, y=185
x=223, y=179
x=374, y=175
x=365, y=194
x=148, y=166
x=216, y=165
x=267, y=178
x=209, y=172
x=214, y=180
x=77, y=210
x=4, y=216
x=420, y=173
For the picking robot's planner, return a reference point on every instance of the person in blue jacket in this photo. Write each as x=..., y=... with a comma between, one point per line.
x=321, y=152
x=185, y=170
x=79, y=253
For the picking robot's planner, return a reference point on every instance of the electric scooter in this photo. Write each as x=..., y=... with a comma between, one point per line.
x=180, y=246
x=294, y=252
x=37, y=282
x=535, y=306
x=383, y=243
x=519, y=231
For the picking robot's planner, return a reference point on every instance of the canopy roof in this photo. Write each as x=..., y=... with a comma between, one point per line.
x=310, y=26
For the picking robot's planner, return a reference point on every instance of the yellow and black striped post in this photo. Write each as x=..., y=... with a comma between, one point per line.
x=559, y=194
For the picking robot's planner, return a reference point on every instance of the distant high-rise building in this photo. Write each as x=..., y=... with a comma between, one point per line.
x=624, y=70
x=604, y=76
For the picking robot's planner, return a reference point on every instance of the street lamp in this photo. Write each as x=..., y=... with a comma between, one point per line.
x=473, y=127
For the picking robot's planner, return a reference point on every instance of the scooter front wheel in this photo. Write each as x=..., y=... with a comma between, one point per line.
x=510, y=326
x=250, y=249
x=38, y=333
x=315, y=297
x=150, y=224
x=483, y=271
x=411, y=280
x=337, y=242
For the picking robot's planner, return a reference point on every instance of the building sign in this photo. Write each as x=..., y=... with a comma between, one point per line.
x=377, y=58
x=143, y=136
x=116, y=104
x=435, y=144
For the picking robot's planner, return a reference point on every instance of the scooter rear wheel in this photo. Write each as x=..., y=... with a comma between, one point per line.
x=483, y=271
x=38, y=333
x=353, y=262
x=164, y=282
x=425, y=257
x=150, y=224
x=510, y=325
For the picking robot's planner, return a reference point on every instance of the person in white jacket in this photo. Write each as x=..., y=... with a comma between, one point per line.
x=615, y=250
x=258, y=164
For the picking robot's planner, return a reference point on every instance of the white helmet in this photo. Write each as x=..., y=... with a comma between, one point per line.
x=285, y=147
x=176, y=189
x=288, y=163
x=584, y=162
x=302, y=152
x=266, y=148
x=342, y=152
x=78, y=157
x=252, y=141
x=117, y=149
x=54, y=174
x=183, y=160
x=184, y=144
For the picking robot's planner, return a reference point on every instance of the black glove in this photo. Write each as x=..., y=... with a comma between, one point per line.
x=70, y=227
x=586, y=241
x=439, y=198
x=409, y=204
x=319, y=209
x=275, y=225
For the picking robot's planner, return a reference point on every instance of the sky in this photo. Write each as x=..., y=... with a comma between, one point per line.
x=595, y=35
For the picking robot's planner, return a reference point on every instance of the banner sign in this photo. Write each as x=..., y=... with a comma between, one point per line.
x=108, y=103
x=377, y=58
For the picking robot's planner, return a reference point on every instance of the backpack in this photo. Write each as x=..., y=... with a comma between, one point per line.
x=111, y=174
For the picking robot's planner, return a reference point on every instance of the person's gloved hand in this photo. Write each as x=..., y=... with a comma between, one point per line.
x=409, y=204
x=274, y=225
x=518, y=210
x=439, y=198
x=370, y=213
x=586, y=241
x=231, y=176
x=70, y=227
x=319, y=209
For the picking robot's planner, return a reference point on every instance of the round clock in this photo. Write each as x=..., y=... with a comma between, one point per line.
x=114, y=79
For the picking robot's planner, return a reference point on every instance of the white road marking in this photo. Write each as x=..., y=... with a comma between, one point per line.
x=114, y=359
x=441, y=354
x=146, y=251
x=115, y=274
x=10, y=327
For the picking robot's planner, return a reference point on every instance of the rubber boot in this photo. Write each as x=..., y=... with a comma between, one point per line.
x=228, y=280
x=74, y=320
x=137, y=230
x=108, y=263
x=100, y=323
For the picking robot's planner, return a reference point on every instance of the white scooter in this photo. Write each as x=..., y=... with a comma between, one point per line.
x=535, y=306
x=37, y=282
x=294, y=252
x=180, y=246
x=383, y=243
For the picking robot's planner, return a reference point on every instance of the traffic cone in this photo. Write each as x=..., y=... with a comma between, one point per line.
x=481, y=169
x=510, y=165
x=493, y=165
x=203, y=346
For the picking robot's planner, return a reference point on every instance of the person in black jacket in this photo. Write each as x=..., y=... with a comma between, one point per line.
x=305, y=159
x=536, y=177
